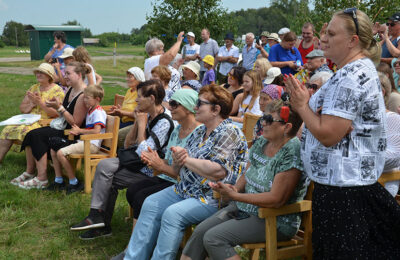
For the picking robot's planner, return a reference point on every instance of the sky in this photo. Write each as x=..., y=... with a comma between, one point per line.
x=97, y=15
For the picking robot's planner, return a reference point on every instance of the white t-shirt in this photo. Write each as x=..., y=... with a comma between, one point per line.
x=191, y=50
x=96, y=116
x=353, y=93
x=244, y=107
x=149, y=64
x=92, y=74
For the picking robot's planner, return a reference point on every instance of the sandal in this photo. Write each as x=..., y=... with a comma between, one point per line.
x=33, y=184
x=23, y=177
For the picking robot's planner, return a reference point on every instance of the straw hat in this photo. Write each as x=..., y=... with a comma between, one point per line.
x=46, y=69
x=67, y=53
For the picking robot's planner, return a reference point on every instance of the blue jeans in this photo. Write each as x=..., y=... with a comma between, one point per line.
x=162, y=222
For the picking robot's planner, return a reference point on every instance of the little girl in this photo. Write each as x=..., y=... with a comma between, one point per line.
x=248, y=101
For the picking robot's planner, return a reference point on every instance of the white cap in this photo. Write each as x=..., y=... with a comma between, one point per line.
x=191, y=34
x=283, y=30
x=272, y=74
x=137, y=73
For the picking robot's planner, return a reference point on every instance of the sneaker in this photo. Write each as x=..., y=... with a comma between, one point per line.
x=94, y=220
x=33, y=184
x=23, y=177
x=55, y=186
x=74, y=188
x=96, y=233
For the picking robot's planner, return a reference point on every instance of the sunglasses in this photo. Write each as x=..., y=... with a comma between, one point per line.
x=397, y=63
x=353, y=13
x=202, y=102
x=268, y=119
x=391, y=24
x=173, y=104
x=311, y=86
x=231, y=76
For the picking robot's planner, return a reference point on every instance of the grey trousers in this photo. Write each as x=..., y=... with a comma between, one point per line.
x=107, y=181
x=219, y=234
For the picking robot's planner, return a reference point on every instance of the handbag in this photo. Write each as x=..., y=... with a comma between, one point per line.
x=58, y=123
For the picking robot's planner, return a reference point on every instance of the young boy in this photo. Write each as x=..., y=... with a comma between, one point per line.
x=95, y=124
x=209, y=76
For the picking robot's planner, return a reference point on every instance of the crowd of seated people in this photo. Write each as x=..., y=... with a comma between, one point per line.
x=181, y=125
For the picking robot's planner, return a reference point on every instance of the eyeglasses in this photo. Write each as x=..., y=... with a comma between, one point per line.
x=231, y=76
x=391, y=24
x=353, y=13
x=202, y=102
x=311, y=86
x=173, y=104
x=268, y=119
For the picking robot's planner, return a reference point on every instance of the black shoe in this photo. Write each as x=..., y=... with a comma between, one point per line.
x=55, y=186
x=95, y=233
x=94, y=220
x=74, y=188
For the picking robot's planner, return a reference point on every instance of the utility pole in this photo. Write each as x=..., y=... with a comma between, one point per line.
x=16, y=37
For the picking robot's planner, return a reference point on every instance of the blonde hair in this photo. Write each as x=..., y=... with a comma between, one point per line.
x=80, y=68
x=95, y=91
x=255, y=90
x=369, y=46
x=386, y=85
x=163, y=73
x=264, y=65
x=81, y=54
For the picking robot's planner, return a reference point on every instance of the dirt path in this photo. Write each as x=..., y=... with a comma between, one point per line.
x=119, y=56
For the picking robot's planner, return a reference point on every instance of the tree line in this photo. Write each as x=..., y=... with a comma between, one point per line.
x=168, y=17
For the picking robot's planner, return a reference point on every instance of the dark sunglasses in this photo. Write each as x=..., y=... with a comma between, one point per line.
x=397, y=63
x=311, y=86
x=202, y=102
x=353, y=12
x=391, y=24
x=268, y=119
x=173, y=104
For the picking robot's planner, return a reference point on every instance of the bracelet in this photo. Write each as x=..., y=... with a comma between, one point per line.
x=60, y=108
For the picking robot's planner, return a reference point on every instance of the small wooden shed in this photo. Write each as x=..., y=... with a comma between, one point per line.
x=41, y=38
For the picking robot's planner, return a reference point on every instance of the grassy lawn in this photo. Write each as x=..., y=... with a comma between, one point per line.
x=35, y=224
x=122, y=48
x=9, y=51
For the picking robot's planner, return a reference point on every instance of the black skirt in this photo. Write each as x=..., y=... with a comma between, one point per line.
x=38, y=140
x=360, y=222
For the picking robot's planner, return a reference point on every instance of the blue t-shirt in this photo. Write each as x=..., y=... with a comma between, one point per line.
x=266, y=48
x=385, y=51
x=59, y=53
x=209, y=77
x=278, y=53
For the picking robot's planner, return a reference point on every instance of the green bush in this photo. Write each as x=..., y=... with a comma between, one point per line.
x=2, y=44
x=103, y=42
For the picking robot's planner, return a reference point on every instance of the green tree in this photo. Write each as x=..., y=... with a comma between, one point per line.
x=377, y=10
x=139, y=36
x=86, y=33
x=169, y=17
x=13, y=32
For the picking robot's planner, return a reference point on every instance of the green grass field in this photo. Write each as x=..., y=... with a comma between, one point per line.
x=35, y=224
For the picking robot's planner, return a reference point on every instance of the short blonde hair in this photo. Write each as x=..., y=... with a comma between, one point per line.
x=264, y=65
x=95, y=91
x=81, y=54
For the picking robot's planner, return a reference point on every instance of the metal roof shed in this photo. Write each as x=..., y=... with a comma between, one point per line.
x=41, y=37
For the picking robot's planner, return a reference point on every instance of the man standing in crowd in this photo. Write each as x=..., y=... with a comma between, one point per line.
x=316, y=62
x=264, y=48
x=191, y=50
x=309, y=42
x=273, y=39
x=249, y=52
x=207, y=47
x=391, y=46
x=228, y=56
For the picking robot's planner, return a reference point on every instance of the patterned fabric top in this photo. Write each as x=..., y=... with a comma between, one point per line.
x=353, y=93
x=174, y=140
x=262, y=171
x=226, y=146
x=55, y=91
